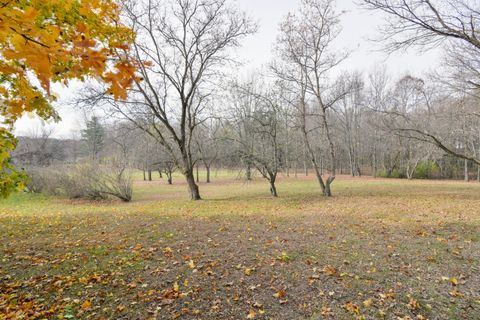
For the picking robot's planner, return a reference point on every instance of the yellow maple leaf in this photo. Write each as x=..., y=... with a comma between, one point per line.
x=86, y=304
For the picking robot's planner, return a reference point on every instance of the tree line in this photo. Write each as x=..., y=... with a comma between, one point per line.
x=302, y=110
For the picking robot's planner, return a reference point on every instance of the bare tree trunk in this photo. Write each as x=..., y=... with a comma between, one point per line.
x=160, y=174
x=192, y=186
x=169, y=177
x=351, y=162
x=248, y=172
x=150, y=175
x=273, y=189
x=296, y=168
x=328, y=191
x=305, y=156
x=314, y=162
x=207, y=167
x=467, y=178
x=144, y=175
x=197, y=177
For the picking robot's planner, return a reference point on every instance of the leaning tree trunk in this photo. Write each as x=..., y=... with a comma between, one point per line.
x=192, y=186
x=313, y=159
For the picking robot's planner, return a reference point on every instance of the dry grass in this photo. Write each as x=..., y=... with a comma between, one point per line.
x=378, y=249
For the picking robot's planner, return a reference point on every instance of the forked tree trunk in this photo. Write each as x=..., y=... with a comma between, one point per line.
x=273, y=189
x=328, y=190
x=316, y=168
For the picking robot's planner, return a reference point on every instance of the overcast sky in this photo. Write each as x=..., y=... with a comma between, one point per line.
x=359, y=26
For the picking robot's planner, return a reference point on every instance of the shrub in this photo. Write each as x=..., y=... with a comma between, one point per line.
x=427, y=170
x=394, y=174
x=83, y=181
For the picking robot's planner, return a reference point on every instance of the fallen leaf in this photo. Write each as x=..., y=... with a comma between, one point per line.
x=280, y=294
x=351, y=307
x=367, y=303
x=87, y=304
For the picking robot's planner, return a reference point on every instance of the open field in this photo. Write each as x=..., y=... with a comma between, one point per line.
x=379, y=249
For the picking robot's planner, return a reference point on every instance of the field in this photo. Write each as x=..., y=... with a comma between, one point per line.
x=379, y=249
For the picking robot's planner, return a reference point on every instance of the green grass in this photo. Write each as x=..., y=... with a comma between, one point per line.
x=380, y=237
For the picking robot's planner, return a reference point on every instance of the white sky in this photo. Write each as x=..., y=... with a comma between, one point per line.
x=358, y=27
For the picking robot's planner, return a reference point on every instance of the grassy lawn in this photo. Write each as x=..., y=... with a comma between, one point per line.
x=379, y=249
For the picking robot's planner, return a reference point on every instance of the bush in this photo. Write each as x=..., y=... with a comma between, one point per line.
x=394, y=174
x=427, y=170
x=83, y=181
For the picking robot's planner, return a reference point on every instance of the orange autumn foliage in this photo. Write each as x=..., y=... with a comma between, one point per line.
x=48, y=41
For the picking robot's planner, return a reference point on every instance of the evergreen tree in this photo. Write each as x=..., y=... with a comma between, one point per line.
x=94, y=137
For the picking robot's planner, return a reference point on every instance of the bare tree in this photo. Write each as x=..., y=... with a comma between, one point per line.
x=349, y=110
x=241, y=105
x=426, y=23
x=39, y=148
x=258, y=129
x=306, y=60
x=206, y=144
x=180, y=48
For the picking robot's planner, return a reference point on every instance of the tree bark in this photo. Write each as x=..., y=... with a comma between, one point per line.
x=273, y=189
x=208, y=173
x=327, y=192
x=192, y=186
